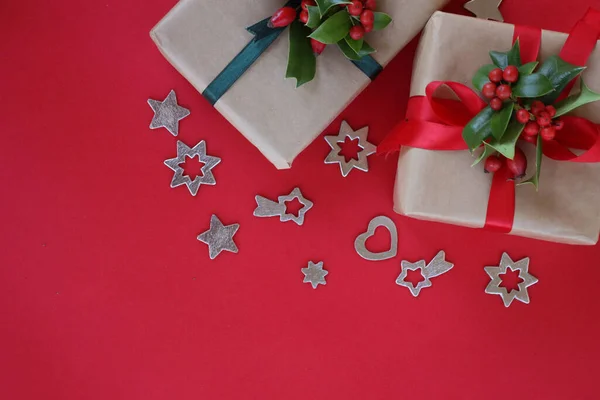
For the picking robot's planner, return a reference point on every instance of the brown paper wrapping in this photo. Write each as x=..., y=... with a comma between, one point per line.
x=441, y=186
x=200, y=37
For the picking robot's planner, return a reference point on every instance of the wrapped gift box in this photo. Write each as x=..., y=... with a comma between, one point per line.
x=200, y=37
x=441, y=185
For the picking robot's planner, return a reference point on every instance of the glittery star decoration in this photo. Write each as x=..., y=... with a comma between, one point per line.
x=219, y=237
x=521, y=293
x=365, y=149
x=436, y=267
x=269, y=208
x=167, y=113
x=485, y=9
x=315, y=274
x=207, y=177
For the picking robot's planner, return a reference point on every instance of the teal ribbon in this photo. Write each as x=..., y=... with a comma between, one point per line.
x=264, y=36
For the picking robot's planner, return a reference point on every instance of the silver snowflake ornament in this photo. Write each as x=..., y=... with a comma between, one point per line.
x=219, y=237
x=366, y=149
x=167, y=113
x=436, y=267
x=315, y=274
x=207, y=177
x=521, y=293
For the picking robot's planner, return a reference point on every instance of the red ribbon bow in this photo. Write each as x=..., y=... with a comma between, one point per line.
x=433, y=123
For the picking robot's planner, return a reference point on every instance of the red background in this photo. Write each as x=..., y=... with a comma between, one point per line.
x=105, y=293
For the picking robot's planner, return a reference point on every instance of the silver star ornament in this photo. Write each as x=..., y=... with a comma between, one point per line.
x=315, y=274
x=207, y=177
x=521, y=293
x=167, y=113
x=269, y=208
x=485, y=9
x=366, y=149
x=436, y=267
x=219, y=237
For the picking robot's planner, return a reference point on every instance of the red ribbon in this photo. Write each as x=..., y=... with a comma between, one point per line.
x=433, y=123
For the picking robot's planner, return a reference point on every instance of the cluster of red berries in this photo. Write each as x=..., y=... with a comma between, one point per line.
x=517, y=166
x=540, y=120
x=363, y=9
x=498, y=88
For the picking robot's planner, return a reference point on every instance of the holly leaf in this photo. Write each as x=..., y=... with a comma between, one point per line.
x=347, y=50
x=355, y=45
x=478, y=129
x=506, y=145
x=511, y=57
x=325, y=5
x=501, y=119
x=487, y=151
x=382, y=20
x=314, y=17
x=302, y=63
x=365, y=50
x=585, y=96
x=532, y=86
x=527, y=69
x=535, y=179
x=560, y=73
x=334, y=29
x=482, y=76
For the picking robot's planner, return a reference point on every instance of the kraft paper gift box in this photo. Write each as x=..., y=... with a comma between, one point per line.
x=441, y=185
x=200, y=37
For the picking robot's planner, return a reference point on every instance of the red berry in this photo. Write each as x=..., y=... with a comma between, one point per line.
x=368, y=28
x=548, y=133
x=495, y=75
x=489, y=90
x=496, y=104
x=355, y=8
x=306, y=3
x=367, y=17
x=537, y=107
x=371, y=4
x=551, y=110
x=503, y=92
x=559, y=124
x=544, y=119
x=493, y=164
x=518, y=165
x=283, y=17
x=303, y=17
x=357, y=32
x=523, y=116
x=511, y=74
x=532, y=128
x=317, y=46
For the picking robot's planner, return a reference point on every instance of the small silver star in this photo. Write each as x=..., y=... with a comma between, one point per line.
x=315, y=274
x=167, y=113
x=366, y=149
x=219, y=237
x=184, y=151
x=521, y=293
x=485, y=9
x=269, y=208
x=436, y=267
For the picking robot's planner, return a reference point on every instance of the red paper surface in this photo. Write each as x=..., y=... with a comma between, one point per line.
x=105, y=293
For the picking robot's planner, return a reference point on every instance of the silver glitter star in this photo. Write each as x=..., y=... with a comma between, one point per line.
x=207, y=177
x=167, y=113
x=315, y=274
x=269, y=208
x=366, y=149
x=485, y=9
x=521, y=293
x=219, y=237
x=436, y=267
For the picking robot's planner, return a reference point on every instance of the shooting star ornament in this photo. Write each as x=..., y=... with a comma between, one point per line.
x=436, y=267
x=183, y=152
x=521, y=293
x=485, y=9
x=167, y=113
x=365, y=150
x=269, y=208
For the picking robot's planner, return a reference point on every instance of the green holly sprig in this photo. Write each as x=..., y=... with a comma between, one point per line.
x=525, y=107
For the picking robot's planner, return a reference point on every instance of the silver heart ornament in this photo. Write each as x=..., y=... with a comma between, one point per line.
x=361, y=240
